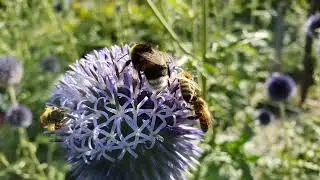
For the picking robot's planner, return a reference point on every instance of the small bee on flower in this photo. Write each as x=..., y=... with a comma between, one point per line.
x=53, y=118
x=191, y=94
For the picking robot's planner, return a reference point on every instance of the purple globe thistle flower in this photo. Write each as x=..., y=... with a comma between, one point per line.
x=312, y=24
x=265, y=116
x=280, y=87
x=19, y=116
x=117, y=130
x=51, y=64
x=11, y=71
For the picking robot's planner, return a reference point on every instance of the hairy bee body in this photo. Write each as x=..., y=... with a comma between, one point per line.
x=153, y=63
x=192, y=95
x=53, y=118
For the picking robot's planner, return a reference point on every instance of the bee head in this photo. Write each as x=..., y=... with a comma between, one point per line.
x=140, y=48
x=187, y=75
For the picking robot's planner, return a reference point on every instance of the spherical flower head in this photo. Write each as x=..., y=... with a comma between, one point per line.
x=19, y=116
x=280, y=87
x=312, y=24
x=121, y=128
x=265, y=116
x=51, y=64
x=11, y=71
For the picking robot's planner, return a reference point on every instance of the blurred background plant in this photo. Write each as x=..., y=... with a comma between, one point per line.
x=232, y=47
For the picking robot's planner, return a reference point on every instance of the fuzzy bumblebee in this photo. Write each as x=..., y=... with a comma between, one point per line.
x=53, y=118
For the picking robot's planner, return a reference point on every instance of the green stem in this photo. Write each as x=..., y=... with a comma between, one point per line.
x=282, y=111
x=278, y=36
x=173, y=35
x=204, y=33
x=204, y=40
x=12, y=94
x=24, y=140
x=194, y=30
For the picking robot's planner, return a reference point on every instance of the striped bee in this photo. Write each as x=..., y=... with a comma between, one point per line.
x=192, y=95
x=53, y=118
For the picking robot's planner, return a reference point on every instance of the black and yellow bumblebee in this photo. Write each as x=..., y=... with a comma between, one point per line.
x=153, y=63
x=53, y=118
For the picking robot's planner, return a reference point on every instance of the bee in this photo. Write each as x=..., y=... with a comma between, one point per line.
x=192, y=95
x=53, y=118
x=153, y=63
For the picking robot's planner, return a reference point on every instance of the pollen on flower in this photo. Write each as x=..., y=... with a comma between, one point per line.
x=115, y=125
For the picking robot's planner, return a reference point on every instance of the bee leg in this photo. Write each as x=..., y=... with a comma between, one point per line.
x=125, y=65
x=168, y=69
x=140, y=79
x=169, y=74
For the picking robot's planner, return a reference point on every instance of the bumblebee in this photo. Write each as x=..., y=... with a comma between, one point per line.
x=153, y=63
x=192, y=95
x=53, y=118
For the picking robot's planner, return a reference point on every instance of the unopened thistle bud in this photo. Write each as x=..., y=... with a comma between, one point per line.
x=51, y=64
x=265, y=116
x=11, y=71
x=19, y=116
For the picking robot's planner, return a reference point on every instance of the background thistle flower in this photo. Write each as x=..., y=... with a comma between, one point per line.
x=51, y=64
x=265, y=116
x=62, y=5
x=280, y=87
x=11, y=71
x=312, y=24
x=18, y=115
x=115, y=129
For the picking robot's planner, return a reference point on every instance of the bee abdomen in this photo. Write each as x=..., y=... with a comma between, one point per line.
x=159, y=83
x=203, y=113
x=188, y=94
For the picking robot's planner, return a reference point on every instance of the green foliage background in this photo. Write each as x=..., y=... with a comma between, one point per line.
x=228, y=45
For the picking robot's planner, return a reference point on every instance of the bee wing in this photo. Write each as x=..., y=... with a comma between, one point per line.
x=157, y=57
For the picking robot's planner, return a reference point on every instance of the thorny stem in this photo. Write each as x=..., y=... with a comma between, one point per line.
x=12, y=94
x=173, y=35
